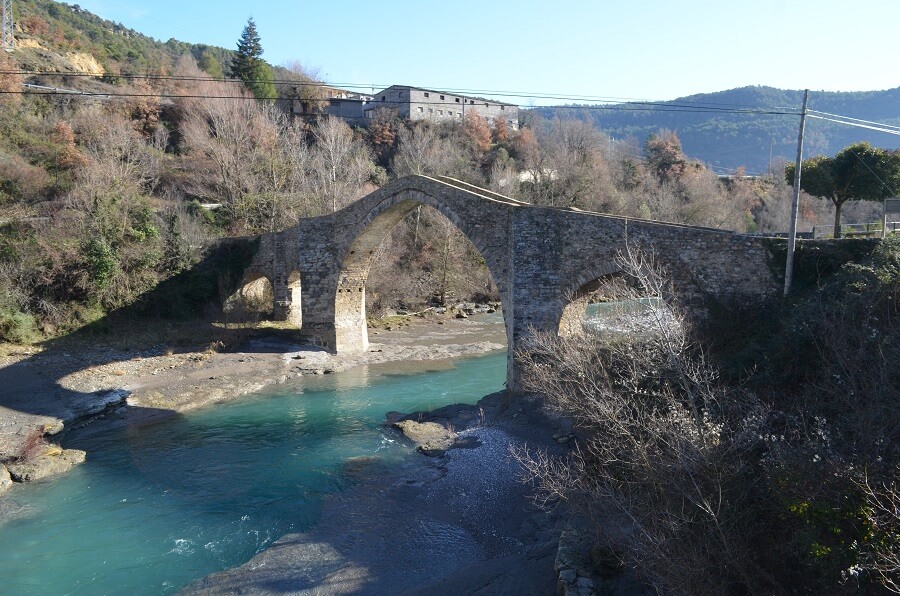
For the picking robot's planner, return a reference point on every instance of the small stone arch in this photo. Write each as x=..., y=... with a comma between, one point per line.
x=364, y=240
x=253, y=299
x=578, y=294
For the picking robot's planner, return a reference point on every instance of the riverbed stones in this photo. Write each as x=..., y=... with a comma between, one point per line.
x=53, y=462
x=430, y=437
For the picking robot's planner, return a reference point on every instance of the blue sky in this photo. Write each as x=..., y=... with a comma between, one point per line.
x=650, y=49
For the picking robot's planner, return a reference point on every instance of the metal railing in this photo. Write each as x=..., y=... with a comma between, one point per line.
x=860, y=230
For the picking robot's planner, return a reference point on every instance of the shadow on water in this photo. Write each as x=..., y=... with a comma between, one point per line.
x=175, y=317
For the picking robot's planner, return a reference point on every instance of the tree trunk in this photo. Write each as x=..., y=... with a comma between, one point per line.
x=416, y=230
x=837, y=219
x=446, y=265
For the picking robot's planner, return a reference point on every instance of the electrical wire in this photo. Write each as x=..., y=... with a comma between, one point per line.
x=877, y=128
x=871, y=171
x=882, y=124
x=711, y=106
x=634, y=107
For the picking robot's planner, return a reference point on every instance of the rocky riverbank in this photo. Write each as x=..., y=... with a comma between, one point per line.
x=44, y=393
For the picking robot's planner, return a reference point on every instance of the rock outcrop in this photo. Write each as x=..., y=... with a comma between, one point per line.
x=53, y=462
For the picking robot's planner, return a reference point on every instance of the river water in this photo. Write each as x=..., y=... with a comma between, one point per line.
x=153, y=509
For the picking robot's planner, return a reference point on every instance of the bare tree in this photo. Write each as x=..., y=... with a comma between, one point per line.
x=341, y=163
x=422, y=150
x=882, y=556
x=571, y=167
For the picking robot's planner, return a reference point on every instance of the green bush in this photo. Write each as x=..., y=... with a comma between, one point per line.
x=101, y=262
x=17, y=327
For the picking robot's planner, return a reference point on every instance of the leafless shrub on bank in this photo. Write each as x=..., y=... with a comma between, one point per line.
x=882, y=557
x=665, y=462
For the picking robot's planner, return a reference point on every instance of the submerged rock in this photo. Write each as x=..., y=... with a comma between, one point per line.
x=53, y=462
x=430, y=437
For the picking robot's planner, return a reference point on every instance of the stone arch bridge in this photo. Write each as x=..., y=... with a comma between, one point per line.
x=541, y=258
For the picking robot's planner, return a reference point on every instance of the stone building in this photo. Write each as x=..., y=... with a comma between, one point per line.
x=347, y=105
x=415, y=103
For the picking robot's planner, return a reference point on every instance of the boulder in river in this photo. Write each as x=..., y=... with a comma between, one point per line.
x=53, y=462
x=430, y=437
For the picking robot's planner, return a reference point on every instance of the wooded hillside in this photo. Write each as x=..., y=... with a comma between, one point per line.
x=728, y=141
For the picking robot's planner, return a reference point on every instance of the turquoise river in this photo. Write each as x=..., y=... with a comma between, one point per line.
x=154, y=509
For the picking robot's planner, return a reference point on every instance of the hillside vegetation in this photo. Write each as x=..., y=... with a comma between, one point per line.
x=54, y=36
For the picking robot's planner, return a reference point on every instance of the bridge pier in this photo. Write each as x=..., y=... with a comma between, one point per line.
x=351, y=333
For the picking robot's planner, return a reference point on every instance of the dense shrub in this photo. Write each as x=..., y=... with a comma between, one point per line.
x=17, y=327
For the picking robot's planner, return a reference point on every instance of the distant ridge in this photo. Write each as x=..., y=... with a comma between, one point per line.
x=727, y=141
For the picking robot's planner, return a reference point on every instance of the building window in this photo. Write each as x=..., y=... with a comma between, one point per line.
x=449, y=112
x=502, y=108
x=382, y=98
x=485, y=104
x=442, y=97
x=440, y=112
x=459, y=115
x=456, y=99
x=421, y=109
x=427, y=94
x=400, y=95
x=472, y=101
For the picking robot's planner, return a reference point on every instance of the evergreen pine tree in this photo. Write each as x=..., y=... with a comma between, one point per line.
x=248, y=66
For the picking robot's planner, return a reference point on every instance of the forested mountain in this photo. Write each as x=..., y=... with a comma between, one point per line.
x=728, y=140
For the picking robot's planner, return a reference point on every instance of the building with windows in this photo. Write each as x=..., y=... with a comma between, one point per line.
x=331, y=101
x=348, y=105
x=415, y=103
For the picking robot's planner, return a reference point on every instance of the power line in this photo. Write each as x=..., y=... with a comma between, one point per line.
x=635, y=107
x=882, y=124
x=707, y=106
x=858, y=125
x=871, y=171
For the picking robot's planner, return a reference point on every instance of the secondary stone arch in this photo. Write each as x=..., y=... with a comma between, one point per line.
x=358, y=255
x=576, y=296
x=251, y=299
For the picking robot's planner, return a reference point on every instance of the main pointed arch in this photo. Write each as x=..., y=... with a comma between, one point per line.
x=365, y=238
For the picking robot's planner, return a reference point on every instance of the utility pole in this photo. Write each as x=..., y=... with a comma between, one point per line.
x=7, y=41
x=795, y=207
